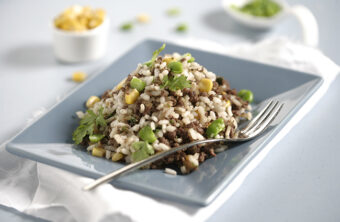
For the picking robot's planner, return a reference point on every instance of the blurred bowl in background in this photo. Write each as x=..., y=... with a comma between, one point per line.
x=308, y=22
x=81, y=46
x=252, y=21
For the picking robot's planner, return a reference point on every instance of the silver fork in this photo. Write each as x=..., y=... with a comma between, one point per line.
x=253, y=129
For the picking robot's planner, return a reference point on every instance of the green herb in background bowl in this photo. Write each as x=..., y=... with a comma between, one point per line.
x=260, y=8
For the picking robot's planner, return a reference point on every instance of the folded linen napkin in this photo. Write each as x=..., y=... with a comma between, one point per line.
x=56, y=195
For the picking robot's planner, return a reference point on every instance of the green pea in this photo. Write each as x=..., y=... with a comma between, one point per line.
x=246, y=95
x=96, y=138
x=215, y=127
x=126, y=26
x=138, y=84
x=176, y=67
x=182, y=27
x=147, y=134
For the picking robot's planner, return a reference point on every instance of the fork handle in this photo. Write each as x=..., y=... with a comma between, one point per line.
x=139, y=164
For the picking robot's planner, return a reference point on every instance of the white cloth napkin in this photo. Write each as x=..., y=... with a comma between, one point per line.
x=56, y=195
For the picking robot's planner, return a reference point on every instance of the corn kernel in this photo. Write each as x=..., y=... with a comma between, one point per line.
x=143, y=18
x=98, y=151
x=132, y=96
x=78, y=18
x=79, y=76
x=205, y=85
x=120, y=85
x=168, y=60
x=91, y=101
x=117, y=156
x=100, y=13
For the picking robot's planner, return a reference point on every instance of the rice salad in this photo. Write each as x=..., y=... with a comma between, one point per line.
x=167, y=101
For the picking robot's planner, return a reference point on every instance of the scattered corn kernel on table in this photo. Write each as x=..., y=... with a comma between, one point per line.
x=298, y=181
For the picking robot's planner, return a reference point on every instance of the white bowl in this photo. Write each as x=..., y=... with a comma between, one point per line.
x=254, y=21
x=305, y=17
x=71, y=46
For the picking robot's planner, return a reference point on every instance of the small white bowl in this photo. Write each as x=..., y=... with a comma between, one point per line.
x=305, y=17
x=254, y=21
x=71, y=46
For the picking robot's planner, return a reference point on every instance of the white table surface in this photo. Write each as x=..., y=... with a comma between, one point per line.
x=297, y=181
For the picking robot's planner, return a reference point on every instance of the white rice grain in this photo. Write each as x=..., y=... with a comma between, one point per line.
x=170, y=128
x=107, y=154
x=170, y=171
x=80, y=114
x=142, y=108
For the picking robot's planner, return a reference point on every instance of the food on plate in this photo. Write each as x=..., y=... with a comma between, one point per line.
x=260, y=8
x=79, y=18
x=167, y=101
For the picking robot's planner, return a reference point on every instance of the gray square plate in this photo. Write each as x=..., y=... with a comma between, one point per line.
x=48, y=140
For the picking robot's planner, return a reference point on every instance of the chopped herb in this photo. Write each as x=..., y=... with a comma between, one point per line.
x=178, y=82
x=126, y=26
x=219, y=80
x=173, y=11
x=142, y=150
x=192, y=59
x=87, y=125
x=124, y=129
x=132, y=121
x=260, y=8
x=182, y=27
x=151, y=62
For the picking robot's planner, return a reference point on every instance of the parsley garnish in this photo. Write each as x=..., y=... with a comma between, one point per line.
x=151, y=62
x=175, y=83
x=87, y=124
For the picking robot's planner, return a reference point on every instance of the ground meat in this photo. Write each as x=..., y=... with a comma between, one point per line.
x=170, y=135
x=183, y=133
x=193, y=150
x=193, y=96
x=180, y=102
x=204, y=94
x=173, y=100
x=106, y=94
x=215, y=86
x=232, y=91
x=201, y=157
x=126, y=86
x=164, y=140
x=196, y=127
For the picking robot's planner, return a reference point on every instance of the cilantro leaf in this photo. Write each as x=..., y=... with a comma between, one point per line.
x=165, y=82
x=100, y=121
x=87, y=125
x=81, y=132
x=178, y=82
x=151, y=62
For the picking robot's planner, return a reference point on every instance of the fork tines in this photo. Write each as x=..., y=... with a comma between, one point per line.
x=263, y=119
